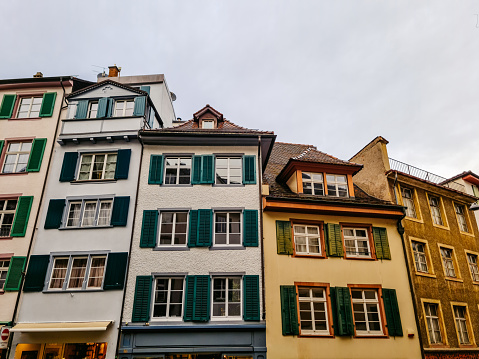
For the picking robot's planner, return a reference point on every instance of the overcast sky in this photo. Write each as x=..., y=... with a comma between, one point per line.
x=334, y=74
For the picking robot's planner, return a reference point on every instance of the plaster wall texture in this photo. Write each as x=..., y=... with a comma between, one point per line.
x=108, y=125
x=195, y=261
x=286, y=270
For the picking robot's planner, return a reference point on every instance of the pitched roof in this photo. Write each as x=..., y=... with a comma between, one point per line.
x=224, y=126
x=460, y=175
x=106, y=82
x=311, y=154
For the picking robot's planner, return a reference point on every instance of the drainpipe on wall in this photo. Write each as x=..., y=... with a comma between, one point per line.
x=260, y=175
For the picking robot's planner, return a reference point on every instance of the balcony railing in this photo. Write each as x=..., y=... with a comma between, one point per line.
x=425, y=175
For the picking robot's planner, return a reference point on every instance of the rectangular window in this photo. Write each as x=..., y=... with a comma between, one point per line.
x=420, y=256
x=124, y=108
x=356, y=242
x=366, y=313
x=460, y=316
x=177, y=170
x=408, y=202
x=227, y=228
x=313, y=311
x=4, y=264
x=29, y=107
x=89, y=213
x=434, y=204
x=313, y=183
x=78, y=272
x=92, y=109
x=16, y=157
x=207, y=124
x=307, y=239
x=229, y=170
x=448, y=262
x=97, y=166
x=7, y=213
x=168, y=298
x=461, y=217
x=472, y=260
x=433, y=323
x=227, y=297
x=337, y=185
x=173, y=228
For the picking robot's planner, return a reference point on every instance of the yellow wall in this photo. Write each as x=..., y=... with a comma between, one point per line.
x=286, y=270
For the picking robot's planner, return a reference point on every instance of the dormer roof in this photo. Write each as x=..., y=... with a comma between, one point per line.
x=107, y=82
x=208, y=110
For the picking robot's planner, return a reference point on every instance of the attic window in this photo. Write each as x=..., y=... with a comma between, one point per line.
x=208, y=124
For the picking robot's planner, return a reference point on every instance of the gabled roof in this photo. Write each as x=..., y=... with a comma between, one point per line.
x=468, y=176
x=224, y=126
x=106, y=82
x=208, y=109
x=311, y=154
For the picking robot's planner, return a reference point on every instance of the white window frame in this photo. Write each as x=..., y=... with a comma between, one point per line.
x=3, y=212
x=124, y=109
x=364, y=303
x=336, y=183
x=168, y=317
x=29, y=112
x=461, y=217
x=420, y=258
x=311, y=300
x=448, y=262
x=4, y=266
x=473, y=265
x=435, y=207
x=86, y=277
x=307, y=237
x=105, y=163
x=407, y=195
x=228, y=229
x=226, y=302
x=178, y=167
x=92, y=109
x=173, y=231
x=461, y=319
x=432, y=319
x=228, y=170
x=313, y=181
x=355, y=238
x=17, y=155
x=83, y=202
x=208, y=124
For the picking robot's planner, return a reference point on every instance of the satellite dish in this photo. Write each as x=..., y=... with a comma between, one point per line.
x=173, y=96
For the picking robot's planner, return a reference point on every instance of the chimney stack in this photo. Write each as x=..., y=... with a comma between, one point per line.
x=114, y=71
x=38, y=75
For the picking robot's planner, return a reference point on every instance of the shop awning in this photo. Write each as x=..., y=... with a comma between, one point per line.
x=61, y=327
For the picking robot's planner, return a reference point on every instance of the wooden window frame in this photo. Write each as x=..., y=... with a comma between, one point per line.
x=172, y=245
x=3, y=258
x=228, y=176
x=90, y=109
x=470, y=330
x=168, y=318
x=16, y=106
x=82, y=212
x=468, y=252
x=322, y=243
x=442, y=211
x=3, y=154
x=94, y=154
x=241, y=224
x=369, y=231
x=458, y=277
x=430, y=265
x=349, y=182
x=415, y=199
x=445, y=343
x=470, y=231
x=313, y=182
x=8, y=198
x=125, y=102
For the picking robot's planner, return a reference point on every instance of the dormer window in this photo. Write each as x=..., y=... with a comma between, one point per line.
x=124, y=108
x=208, y=124
x=92, y=109
x=337, y=185
x=313, y=183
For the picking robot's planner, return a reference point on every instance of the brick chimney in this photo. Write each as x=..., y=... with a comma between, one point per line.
x=114, y=71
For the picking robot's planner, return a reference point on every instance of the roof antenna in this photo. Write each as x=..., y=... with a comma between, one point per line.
x=102, y=73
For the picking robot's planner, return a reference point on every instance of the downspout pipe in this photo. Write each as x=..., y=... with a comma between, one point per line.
x=260, y=187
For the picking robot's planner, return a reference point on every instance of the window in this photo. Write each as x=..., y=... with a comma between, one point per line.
x=227, y=297
x=168, y=298
x=307, y=239
x=356, y=242
x=313, y=183
x=89, y=213
x=208, y=124
x=229, y=170
x=313, y=311
x=29, y=107
x=7, y=213
x=366, y=311
x=461, y=217
x=435, y=211
x=460, y=316
x=177, y=170
x=433, y=324
x=337, y=185
x=408, y=202
x=92, y=109
x=173, y=228
x=420, y=257
x=4, y=264
x=448, y=262
x=16, y=157
x=124, y=108
x=227, y=228
x=472, y=260
x=76, y=273
x=97, y=166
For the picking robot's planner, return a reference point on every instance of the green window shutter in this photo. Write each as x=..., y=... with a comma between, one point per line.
x=250, y=228
x=48, y=104
x=115, y=271
x=249, y=169
x=334, y=240
x=145, y=88
x=289, y=310
x=196, y=176
x=342, y=313
x=197, y=298
x=139, y=109
x=251, y=297
x=381, y=243
x=284, y=239
x=391, y=308
x=122, y=164
x=54, y=214
x=149, y=229
x=69, y=166
x=22, y=214
x=1, y=146
x=36, y=154
x=6, y=108
x=82, y=109
x=36, y=272
x=119, y=213
x=156, y=170
x=102, y=107
x=207, y=169
x=205, y=228
x=193, y=228
x=109, y=110
x=14, y=274
x=141, y=302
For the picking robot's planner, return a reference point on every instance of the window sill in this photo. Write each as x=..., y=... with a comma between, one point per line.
x=429, y=275
x=71, y=291
x=110, y=180
x=438, y=346
x=5, y=238
x=301, y=335
x=176, y=185
x=101, y=118
x=412, y=219
x=454, y=279
x=373, y=336
x=14, y=174
x=227, y=248
x=26, y=118
x=301, y=255
x=361, y=258
x=171, y=248
x=90, y=227
x=467, y=346
x=467, y=234
x=228, y=185
x=440, y=227
x=475, y=283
